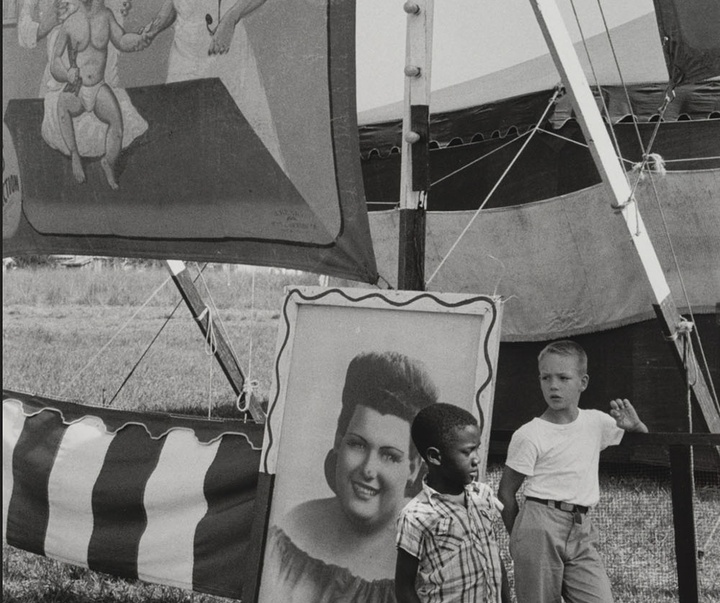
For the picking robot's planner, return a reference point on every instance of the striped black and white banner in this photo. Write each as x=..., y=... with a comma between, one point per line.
x=164, y=499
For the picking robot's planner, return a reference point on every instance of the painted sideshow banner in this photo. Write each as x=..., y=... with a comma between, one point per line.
x=353, y=367
x=203, y=129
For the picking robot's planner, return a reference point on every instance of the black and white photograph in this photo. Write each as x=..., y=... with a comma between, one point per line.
x=369, y=301
x=339, y=432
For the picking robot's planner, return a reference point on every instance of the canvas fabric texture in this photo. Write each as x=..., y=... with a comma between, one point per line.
x=689, y=29
x=220, y=171
x=590, y=278
x=158, y=502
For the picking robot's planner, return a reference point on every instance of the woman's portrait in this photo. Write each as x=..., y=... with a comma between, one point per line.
x=351, y=381
x=373, y=470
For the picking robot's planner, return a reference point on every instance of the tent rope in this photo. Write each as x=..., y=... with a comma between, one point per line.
x=142, y=356
x=647, y=155
x=606, y=109
x=551, y=102
x=688, y=384
x=249, y=385
x=586, y=146
x=478, y=159
x=210, y=351
x=686, y=297
x=710, y=158
x=629, y=161
x=147, y=348
x=387, y=282
x=620, y=75
x=704, y=549
x=115, y=335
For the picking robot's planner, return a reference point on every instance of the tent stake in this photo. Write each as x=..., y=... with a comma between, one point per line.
x=223, y=352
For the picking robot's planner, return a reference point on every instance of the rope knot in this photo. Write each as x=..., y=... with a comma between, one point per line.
x=652, y=162
x=247, y=395
x=655, y=163
x=682, y=329
x=620, y=205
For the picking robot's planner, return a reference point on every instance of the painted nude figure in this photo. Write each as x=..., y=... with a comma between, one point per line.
x=85, y=36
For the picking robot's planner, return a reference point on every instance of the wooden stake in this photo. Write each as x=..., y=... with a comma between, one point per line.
x=683, y=494
x=223, y=353
x=414, y=166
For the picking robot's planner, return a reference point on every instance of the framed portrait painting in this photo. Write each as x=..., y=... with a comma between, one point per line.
x=353, y=367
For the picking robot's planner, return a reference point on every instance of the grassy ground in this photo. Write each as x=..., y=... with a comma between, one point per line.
x=56, y=321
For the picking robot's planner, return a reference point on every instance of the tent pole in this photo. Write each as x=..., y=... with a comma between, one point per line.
x=223, y=353
x=613, y=175
x=414, y=167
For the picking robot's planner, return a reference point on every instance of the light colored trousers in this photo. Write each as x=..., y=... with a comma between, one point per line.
x=555, y=557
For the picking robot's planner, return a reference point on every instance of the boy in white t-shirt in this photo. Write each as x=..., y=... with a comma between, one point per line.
x=552, y=539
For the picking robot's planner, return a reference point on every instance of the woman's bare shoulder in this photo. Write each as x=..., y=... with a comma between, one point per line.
x=302, y=521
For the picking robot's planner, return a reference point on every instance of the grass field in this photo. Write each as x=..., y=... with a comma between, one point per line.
x=56, y=321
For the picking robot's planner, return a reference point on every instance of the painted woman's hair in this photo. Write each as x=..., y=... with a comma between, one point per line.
x=390, y=383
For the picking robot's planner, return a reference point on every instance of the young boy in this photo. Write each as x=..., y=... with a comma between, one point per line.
x=446, y=548
x=552, y=539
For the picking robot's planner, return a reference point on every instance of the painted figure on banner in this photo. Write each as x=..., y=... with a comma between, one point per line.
x=210, y=41
x=343, y=547
x=83, y=39
x=42, y=19
x=12, y=190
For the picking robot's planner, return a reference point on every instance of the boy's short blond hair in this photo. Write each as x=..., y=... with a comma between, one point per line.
x=566, y=347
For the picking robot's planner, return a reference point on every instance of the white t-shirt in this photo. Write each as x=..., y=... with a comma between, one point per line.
x=561, y=461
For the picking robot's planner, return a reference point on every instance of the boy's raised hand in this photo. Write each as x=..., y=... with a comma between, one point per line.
x=625, y=416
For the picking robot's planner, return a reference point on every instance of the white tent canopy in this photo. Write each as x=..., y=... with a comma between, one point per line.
x=635, y=45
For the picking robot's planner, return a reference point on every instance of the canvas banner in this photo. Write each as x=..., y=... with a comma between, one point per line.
x=211, y=134
x=136, y=495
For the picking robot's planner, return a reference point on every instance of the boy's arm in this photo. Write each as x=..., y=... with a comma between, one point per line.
x=626, y=417
x=405, y=574
x=509, y=485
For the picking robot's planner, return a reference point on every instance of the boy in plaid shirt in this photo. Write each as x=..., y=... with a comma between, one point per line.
x=446, y=546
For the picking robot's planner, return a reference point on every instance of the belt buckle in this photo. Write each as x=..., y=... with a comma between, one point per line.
x=567, y=507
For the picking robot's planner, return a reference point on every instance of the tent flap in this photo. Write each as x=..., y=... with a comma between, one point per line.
x=590, y=278
x=689, y=30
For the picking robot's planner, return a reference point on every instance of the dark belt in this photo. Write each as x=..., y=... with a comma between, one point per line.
x=563, y=506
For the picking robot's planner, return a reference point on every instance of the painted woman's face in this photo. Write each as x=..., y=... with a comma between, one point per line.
x=374, y=467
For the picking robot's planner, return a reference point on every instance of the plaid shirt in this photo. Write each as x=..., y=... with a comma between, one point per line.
x=455, y=545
